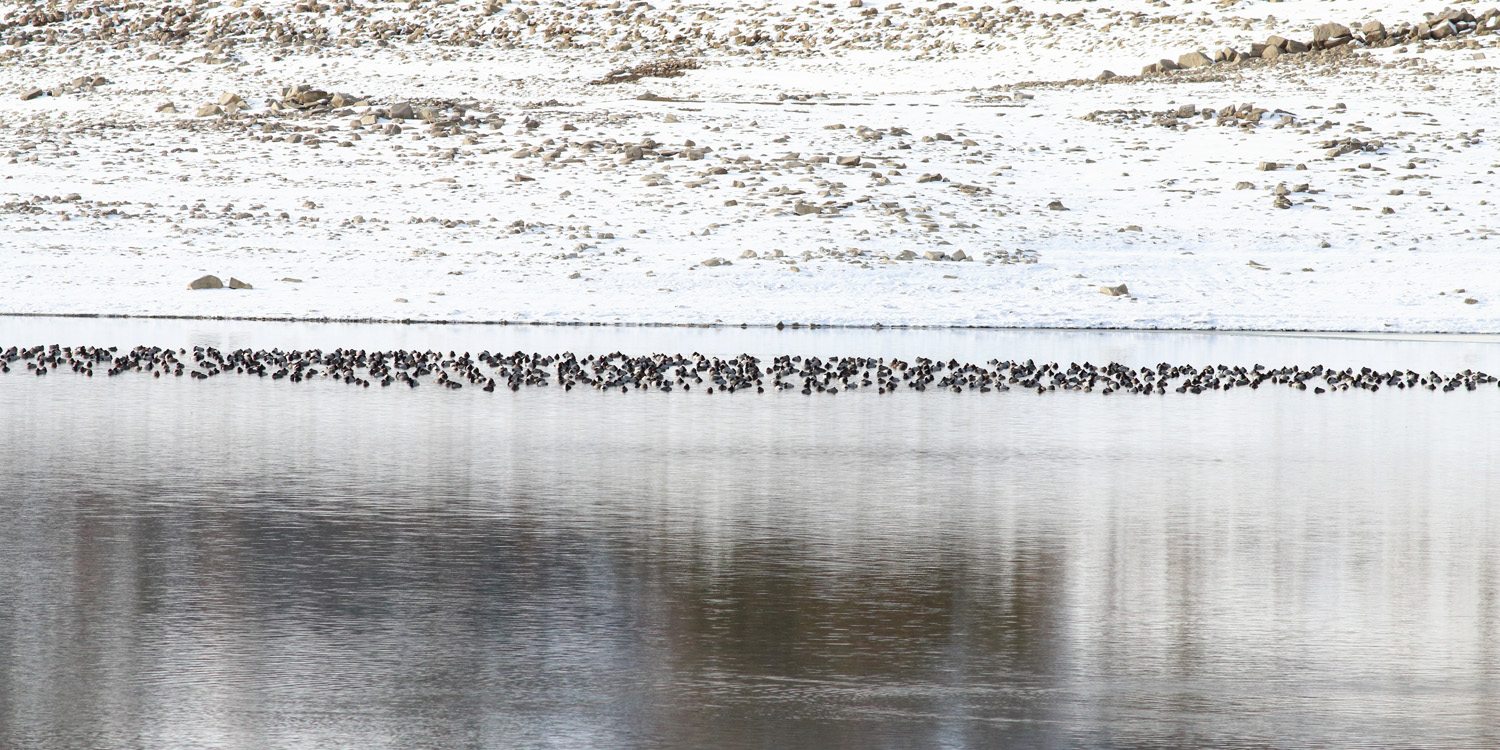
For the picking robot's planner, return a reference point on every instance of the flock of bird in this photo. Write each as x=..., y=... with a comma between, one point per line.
x=668, y=372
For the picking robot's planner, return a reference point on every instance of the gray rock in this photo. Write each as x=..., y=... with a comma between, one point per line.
x=1164, y=65
x=906, y=255
x=1294, y=47
x=1373, y=30
x=1057, y=206
x=1268, y=166
x=32, y=94
x=935, y=255
x=1105, y=76
x=1244, y=186
x=959, y=255
x=401, y=111
x=1115, y=291
x=803, y=209
x=930, y=178
x=712, y=262
x=1186, y=111
x=237, y=284
x=749, y=254
x=848, y=161
x=206, y=282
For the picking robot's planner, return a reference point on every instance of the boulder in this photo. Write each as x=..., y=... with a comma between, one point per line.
x=228, y=98
x=1268, y=166
x=848, y=161
x=32, y=94
x=935, y=255
x=1373, y=31
x=1270, y=52
x=803, y=209
x=1186, y=111
x=401, y=111
x=1443, y=30
x=1194, y=60
x=208, y=110
x=1105, y=76
x=1115, y=291
x=206, y=282
x=237, y=284
x=1294, y=47
x=1056, y=206
x=1165, y=65
x=1324, y=32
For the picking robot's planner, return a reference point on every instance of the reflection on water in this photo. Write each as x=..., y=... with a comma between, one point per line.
x=242, y=564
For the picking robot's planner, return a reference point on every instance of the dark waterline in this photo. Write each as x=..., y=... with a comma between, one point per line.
x=230, y=563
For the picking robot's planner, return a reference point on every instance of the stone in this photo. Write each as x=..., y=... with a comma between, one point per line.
x=848, y=161
x=1268, y=166
x=633, y=153
x=935, y=255
x=1164, y=65
x=237, y=284
x=1194, y=60
x=930, y=178
x=1324, y=32
x=1115, y=291
x=713, y=262
x=1373, y=31
x=803, y=209
x=228, y=98
x=401, y=111
x=1271, y=52
x=1470, y=301
x=32, y=94
x=1105, y=76
x=340, y=100
x=290, y=280
x=1443, y=30
x=208, y=110
x=1186, y=111
x=959, y=255
x=206, y=282
x=749, y=254
x=1279, y=42
x=906, y=255
x=1056, y=206
x=1282, y=202
x=168, y=108
x=1244, y=186
x=1294, y=47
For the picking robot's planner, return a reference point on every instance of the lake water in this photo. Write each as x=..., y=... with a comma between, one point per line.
x=241, y=563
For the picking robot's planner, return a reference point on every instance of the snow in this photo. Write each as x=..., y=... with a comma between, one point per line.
x=391, y=228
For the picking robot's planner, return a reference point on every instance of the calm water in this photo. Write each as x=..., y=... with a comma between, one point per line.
x=238, y=563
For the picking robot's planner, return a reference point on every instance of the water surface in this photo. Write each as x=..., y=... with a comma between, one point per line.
x=241, y=563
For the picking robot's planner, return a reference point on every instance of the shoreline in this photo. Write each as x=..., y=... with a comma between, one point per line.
x=1290, y=333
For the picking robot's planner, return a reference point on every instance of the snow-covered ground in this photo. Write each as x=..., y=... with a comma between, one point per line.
x=531, y=195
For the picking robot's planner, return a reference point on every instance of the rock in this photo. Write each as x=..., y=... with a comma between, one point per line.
x=1164, y=65
x=848, y=161
x=291, y=280
x=935, y=255
x=633, y=153
x=1056, y=206
x=1105, y=76
x=803, y=209
x=1294, y=47
x=168, y=108
x=749, y=254
x=959, y=255
x=206, y=282
x=1268, y=166
x=712, y=262
x=340, y=100
x=237, y=284
x=208, y=110
x=1244, y=186
x=32, y=94
x=906, y=255
x=930, y=178
x=1443, y=30
x=1279, y=42
x=1282, y=202
x=1186, y=111
x=1373, y=31
x=1115, y=291
x=402, y=111
x=227, y=99
x=1270, y=52
x=1470, y=301
x=1194, y=60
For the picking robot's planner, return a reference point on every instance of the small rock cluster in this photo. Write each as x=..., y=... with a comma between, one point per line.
x=81, y=84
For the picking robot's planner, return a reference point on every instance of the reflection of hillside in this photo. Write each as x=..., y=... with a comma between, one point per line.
x=226, y=560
